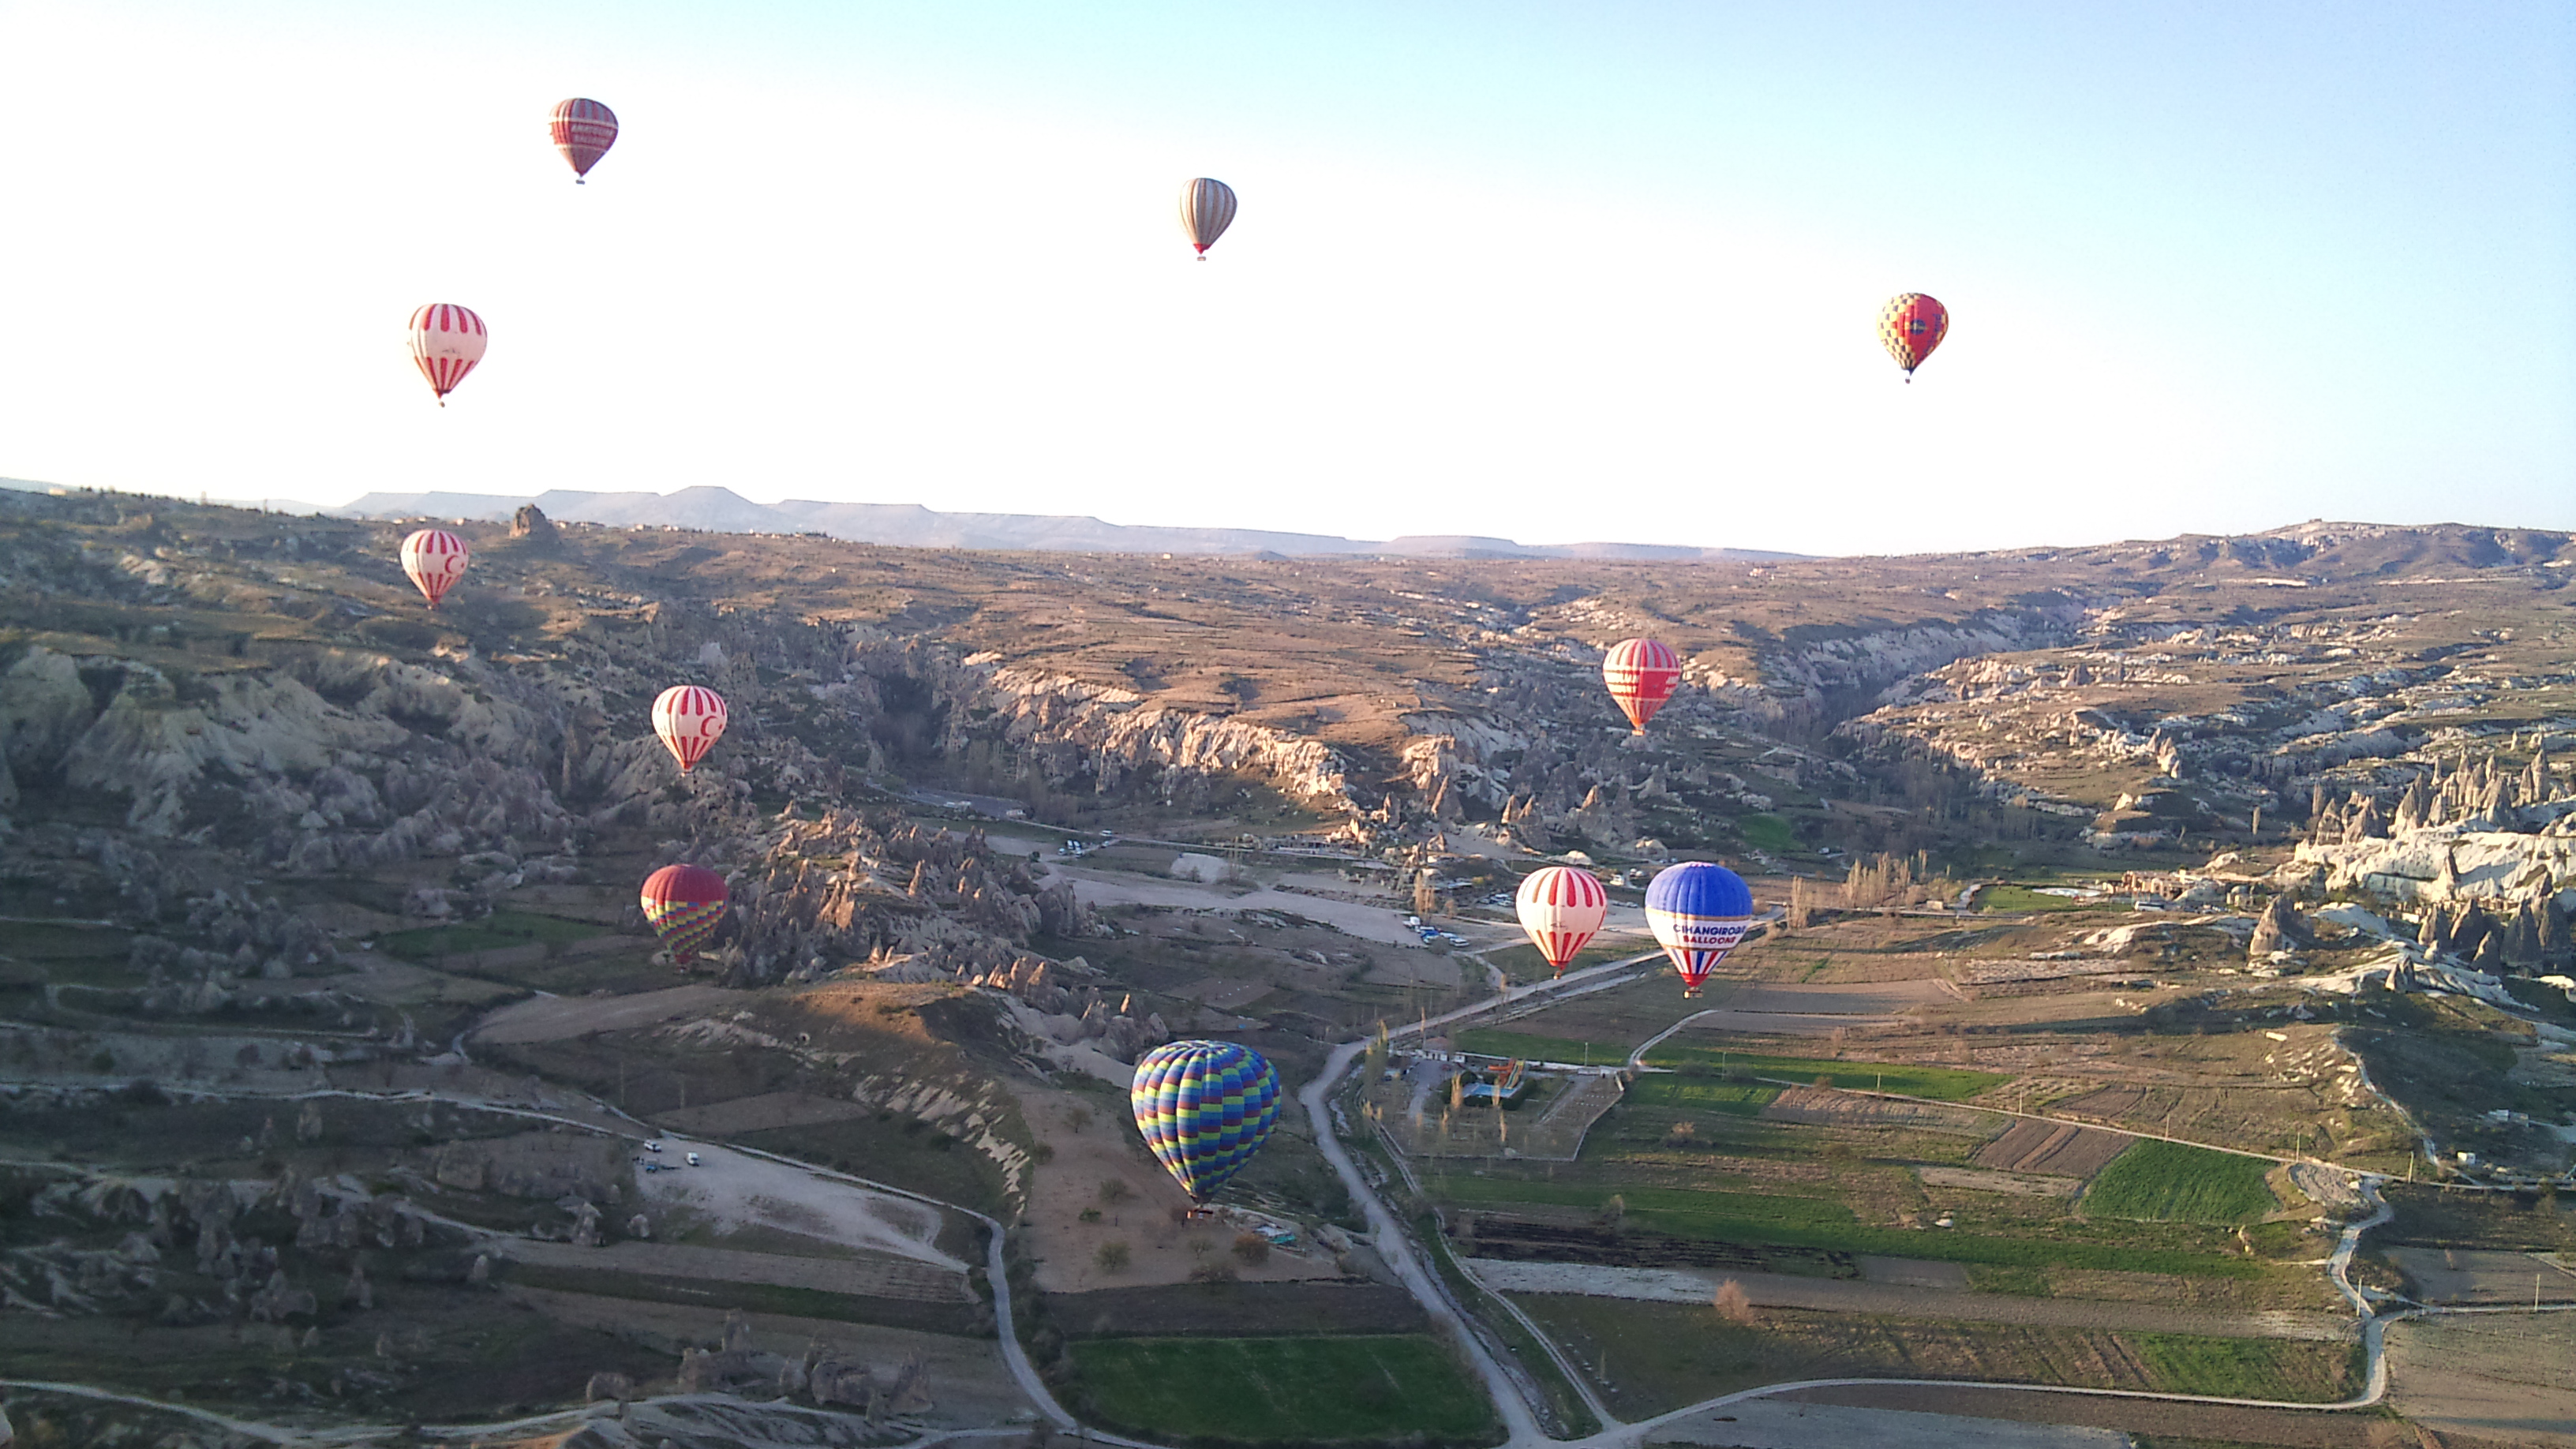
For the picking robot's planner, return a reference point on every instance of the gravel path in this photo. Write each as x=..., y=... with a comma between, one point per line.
x=1836, y=1295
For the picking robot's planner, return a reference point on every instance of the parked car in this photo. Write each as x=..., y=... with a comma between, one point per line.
x=693, y=1160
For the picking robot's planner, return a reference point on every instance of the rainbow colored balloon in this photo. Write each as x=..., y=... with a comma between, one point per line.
x=1205, y=1107
x=684, y=904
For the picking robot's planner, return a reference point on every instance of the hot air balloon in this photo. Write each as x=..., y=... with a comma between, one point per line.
x=683, y=904
x=583, y=131
x=1641, y=674
x=435, y=559
x=690, y=718
x=1912, y=325
x=1562, y=908
x=1205, y=1107
x=446, y=340
x=1698, y=911
x=1207, y=209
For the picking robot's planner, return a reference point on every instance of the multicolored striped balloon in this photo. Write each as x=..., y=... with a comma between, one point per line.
x=446, y=341
x=1205, y=1107
x=683, y=904
x=583, y=131
x=1207, y=209
x=690, y=718
x=1698, y=911
x=1641, y=674
x=435, y=559
x=1910, y=326
x=1562, y=908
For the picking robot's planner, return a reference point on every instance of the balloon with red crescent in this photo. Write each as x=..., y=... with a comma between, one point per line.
x=446, y=341
x=1641, y=674
x=684, y=904
x=583, y=131
x=435, y=559
x=1562, y=909
x=1911, y=325
x=1207, y=209
x=690, y=718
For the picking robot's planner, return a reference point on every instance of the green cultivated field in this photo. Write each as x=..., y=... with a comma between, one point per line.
x=1702, y=1094
x=2171, y=1182
x=1351, y=1389
x=1493, y=1043
x=1941, y=1084
x=1655, y=1357
x=1778, y=1219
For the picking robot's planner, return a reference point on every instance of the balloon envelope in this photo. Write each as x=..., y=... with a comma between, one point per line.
x=1207, y=209
x=690, y=718
x=1911, y=325
x=684, y=904
x=1698, y=911
x=583, y=131
x=435, y=559
x=1562, y=908
x=1641, y=674
x=446, y=342
x=1205, y=1107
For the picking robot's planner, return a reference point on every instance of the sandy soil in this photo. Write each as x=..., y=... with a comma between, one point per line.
x=760, y=1113
x=1094, y=1146
x=2466, y=1275
x=2013, y=1183
x=1800, y=1009
x=2306, y=1429
x=968, y=1383
x=735, y=1191
x=1780, y=1424
x=2493, y=1376
x=554, y=1018
x=872, y=1275
x=2059, y=1149
x=1369, y=923
x=1780, y=1290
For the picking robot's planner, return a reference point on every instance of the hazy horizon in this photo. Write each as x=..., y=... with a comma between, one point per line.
x=1516, y=272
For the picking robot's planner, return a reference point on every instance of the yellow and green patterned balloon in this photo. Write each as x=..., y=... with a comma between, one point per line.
x=1205, y=1107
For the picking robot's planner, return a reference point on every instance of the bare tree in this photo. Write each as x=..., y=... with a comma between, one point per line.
x=1732, y=1304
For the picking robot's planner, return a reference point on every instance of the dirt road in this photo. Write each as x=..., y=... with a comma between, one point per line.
x=866, y=1275
x=735, y=1190
x=1781, y=1424
x=555, y=1018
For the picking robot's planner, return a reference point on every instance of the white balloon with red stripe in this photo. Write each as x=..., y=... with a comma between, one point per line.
x=435, y=559
x=1207, y=209
x=1641, y=674
x=690, y=718
x=446, y=342
x=1562, y=909
x=582, y=130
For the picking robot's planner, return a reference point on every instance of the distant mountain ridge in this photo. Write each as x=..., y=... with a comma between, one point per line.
x=909, y=525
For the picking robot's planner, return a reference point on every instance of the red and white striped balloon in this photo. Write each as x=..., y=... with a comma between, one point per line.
x=583, y=131
x=446, y=341
x=690, y=718
x=1641, y=674
x=1562, y=909
x=435, y=559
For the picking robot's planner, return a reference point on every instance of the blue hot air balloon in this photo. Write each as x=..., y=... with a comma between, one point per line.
x=1205, y=1107
x=1698, y=911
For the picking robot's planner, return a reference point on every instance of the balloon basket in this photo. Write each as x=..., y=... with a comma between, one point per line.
x=1200, y=1214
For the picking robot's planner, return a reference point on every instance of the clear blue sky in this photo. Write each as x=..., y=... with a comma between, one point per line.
x=1552, y=272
